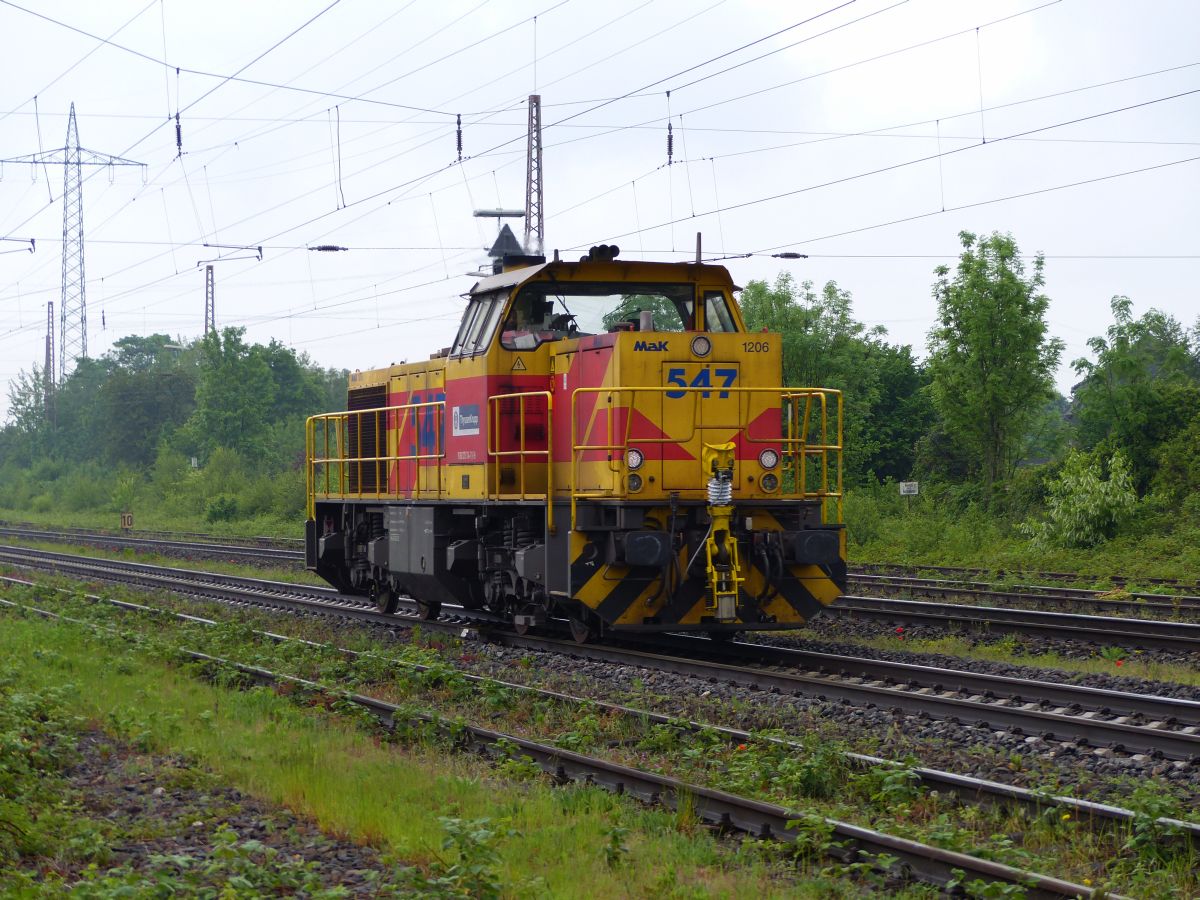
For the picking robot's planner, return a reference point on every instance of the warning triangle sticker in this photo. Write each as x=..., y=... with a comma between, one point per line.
x=518, y=365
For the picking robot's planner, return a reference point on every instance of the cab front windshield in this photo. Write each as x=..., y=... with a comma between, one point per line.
x=552, y=311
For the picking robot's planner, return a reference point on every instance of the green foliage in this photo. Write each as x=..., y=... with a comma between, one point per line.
x=615, y=849
x=824, y=346
x=221, y=508
x=469, y=870
x=1084, y=508
x=234, y=868
x=127, y=427
x=1141, y=390
x=666, y=316
x=36, y=743
x=1153, y=841
x=991, y=360
x=1177, y=479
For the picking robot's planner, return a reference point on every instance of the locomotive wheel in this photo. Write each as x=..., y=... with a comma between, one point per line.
x=428, y=609
x=384, y=597
x=581, y=630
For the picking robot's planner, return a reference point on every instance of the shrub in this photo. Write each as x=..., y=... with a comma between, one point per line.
x=1083, y=508
x=222, y=508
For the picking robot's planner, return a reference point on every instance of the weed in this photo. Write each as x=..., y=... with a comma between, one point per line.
x=615, y=849
x=814, y=837
x=471, y=872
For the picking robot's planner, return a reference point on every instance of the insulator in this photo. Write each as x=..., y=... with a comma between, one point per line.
x=670, y=144
x=178, y=135
x=459, y=120
x=720, y=492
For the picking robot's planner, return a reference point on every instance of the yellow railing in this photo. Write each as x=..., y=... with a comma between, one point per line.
x=347, y=459
x=522, y=453
x=801, y=436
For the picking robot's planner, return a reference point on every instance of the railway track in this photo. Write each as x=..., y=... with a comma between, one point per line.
x=1149, y=634
x=962, y=572
x=254, y=551
x=1124, y=631
x=1035, y=595
x=901, y=858
x=1108, y=721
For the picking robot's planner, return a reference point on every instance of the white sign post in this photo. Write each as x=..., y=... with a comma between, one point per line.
x=909, y=489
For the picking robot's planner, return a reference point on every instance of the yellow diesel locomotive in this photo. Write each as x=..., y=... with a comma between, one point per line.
x=604, y=443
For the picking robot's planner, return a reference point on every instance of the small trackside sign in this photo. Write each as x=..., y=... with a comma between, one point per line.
x=465, y=420
x=909, y=488
x=650, y=346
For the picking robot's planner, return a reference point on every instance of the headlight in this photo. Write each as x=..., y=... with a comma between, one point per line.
x=769, y=482
x=635, y=482
x=634, y=458
x=701, y=346
x=769, y=458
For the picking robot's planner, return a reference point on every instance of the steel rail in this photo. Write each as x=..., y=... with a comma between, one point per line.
x=262, y=540
x=967, y=572
x=897, y=856
x=968, y=787
x=237, y=551
x=1041, y=694
x=1162, y=737
x=1167, y=604
x=1149, y=634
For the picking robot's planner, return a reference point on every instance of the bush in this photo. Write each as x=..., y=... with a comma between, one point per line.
x=1083, y=508
x=221, y=508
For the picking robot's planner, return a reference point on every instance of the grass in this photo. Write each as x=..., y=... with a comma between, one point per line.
x=156, y=520
x=353, y=785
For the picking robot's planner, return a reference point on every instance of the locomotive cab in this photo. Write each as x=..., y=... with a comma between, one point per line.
x=603, y=442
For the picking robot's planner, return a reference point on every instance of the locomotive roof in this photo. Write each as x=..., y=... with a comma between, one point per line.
x=615, y=270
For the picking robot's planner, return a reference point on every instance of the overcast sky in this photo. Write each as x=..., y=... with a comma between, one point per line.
x=841, y=129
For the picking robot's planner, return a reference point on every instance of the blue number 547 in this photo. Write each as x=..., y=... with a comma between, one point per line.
x=703, y=379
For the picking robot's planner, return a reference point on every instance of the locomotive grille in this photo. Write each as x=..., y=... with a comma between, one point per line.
x=366, y=437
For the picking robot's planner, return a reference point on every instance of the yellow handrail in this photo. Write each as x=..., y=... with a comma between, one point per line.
x=337, y=426
x=521, y=453
x=793, y=441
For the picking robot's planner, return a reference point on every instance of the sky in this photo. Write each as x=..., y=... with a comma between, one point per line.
x=864, y=133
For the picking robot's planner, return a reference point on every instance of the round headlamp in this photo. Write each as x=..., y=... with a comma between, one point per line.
x=769, y=482
x=634, y=458
x=769, y=458
x=635, y=482
x=701, y=345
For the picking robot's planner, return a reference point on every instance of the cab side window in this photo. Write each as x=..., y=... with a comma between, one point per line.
x=478, y=325
x=716, y=313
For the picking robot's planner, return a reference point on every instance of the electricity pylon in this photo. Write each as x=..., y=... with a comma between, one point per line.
x=72, y=310
x=535, y=227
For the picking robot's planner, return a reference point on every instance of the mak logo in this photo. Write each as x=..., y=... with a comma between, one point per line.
x=652, y=346
x=465, y=420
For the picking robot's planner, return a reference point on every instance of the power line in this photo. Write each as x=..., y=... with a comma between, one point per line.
x=962, y=206
x=236, y=77
x=896, y=166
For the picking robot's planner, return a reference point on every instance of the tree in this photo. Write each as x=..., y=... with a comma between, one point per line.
x=234, y=397
x=665, y=315
x=1142, y=388
x=991, y=361
x=825, y=346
